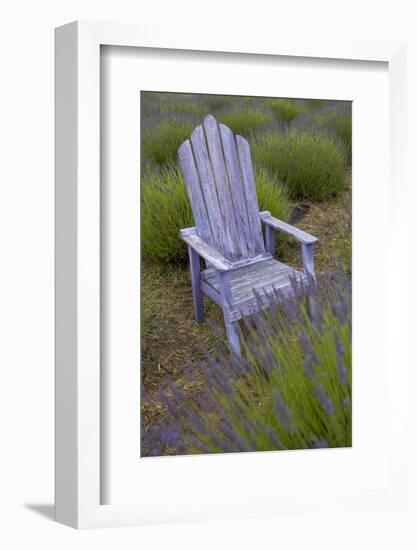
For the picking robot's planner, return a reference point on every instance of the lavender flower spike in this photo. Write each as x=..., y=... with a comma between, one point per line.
x=324, y=400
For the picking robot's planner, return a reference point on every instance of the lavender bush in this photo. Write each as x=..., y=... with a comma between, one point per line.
x=292, y=389
x=286, y=110
x=165, y=209
x=311, y=164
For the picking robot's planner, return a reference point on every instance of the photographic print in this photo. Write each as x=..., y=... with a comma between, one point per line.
x=246, y=248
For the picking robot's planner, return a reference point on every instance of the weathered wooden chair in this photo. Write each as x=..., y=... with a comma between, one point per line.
x=240, y=266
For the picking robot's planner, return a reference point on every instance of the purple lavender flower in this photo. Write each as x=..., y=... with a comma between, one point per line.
x=339, y=358
x=229, y=410
x=309, y=367
x=283, y=414
x=324, y=400
x=310, y=358
x=317, y=443
x=234, y=438
x=169, y=404
x=197, y=423
x=170, y=435
x=274, y=440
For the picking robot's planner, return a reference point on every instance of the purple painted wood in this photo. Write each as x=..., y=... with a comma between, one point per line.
x=279, y=225
x=195, y=195
x=223, y=185
x=222, y=190
x=228, y=235
x=219, y=228
x=270, y=239
x=308, y=259
x=240, y=210
x=265, y=278
x=250, y=193
x=210, y=254
x=232, y=330
x=196, y=284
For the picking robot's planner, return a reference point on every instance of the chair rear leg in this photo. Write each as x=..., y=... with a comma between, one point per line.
x=196, y=285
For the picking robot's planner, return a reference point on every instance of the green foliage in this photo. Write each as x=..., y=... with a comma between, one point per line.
x=165, y=209
x=162, y=142
x=286, y=110
x=293, y=390
x=309, y=163
x=305, y=370
x=341, y=125
x=245, y=121
x=272, y=194
x=183, y=107
x=315, y=103
x=215, y=102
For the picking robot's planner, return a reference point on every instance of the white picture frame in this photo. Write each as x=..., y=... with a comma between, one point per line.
x=78, y=426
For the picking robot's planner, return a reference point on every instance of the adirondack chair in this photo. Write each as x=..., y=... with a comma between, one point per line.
x=240, y=267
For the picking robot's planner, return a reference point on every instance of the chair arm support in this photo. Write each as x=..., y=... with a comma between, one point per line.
x=278, y=225
x=207, y=252
x=306, y=240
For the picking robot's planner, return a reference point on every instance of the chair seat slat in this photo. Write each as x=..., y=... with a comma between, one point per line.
x=262, y=278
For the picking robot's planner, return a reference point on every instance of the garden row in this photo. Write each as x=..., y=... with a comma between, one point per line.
x=301, y=151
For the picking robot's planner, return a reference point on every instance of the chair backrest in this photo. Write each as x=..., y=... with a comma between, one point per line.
x=217, y=169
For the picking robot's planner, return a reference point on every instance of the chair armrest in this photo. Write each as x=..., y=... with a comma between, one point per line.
x=207, y=252
x=278, y=225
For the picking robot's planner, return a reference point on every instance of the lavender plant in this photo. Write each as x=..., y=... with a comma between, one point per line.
x=292, y=389
x=339, y=121
x=165, y=209
x=311, y=164
x=245, y=121
x=285, y=110
x=160, y=143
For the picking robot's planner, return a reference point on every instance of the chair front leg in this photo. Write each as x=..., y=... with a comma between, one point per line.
x=308, y=260
x=232, y=329
x=196, y=284
x=270, y=240
x=308, y=263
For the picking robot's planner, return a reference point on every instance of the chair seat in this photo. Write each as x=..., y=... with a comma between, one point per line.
x=254, y=283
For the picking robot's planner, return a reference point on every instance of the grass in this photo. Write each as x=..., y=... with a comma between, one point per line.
x=331, y=222
x=169, y=334
x=310, y=164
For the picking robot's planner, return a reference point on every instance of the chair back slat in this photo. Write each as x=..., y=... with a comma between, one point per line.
x=219, y=177
x=250, y=193
x=247, y=239
x=223, y=186
x=195, y=194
